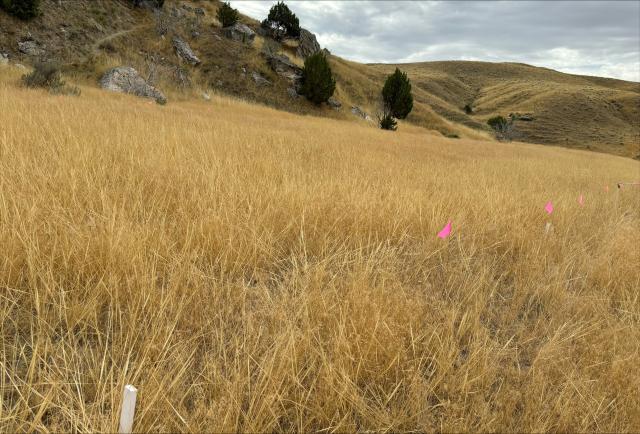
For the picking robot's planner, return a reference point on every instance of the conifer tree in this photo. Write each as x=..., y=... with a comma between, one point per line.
x=227, y=15
x=396, y=94
x=318, y=83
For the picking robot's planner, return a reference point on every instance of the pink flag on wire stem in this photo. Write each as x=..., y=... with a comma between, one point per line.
x=444, y=233
x=548, y=207
x=581, y=200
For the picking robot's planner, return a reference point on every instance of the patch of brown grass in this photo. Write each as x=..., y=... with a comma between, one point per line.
x=252, y=270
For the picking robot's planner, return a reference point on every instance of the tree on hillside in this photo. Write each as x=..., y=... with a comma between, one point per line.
x=280, y=16
x=23, y=9
x=502, y=127
x=396, y=99
x=396, y=95
x=227, y=15
x=318, y=83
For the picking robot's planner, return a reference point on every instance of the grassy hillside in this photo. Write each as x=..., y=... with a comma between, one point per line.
x=288, y=276
x=89, y=37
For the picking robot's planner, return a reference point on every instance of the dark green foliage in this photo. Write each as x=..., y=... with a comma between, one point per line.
x=387, y=122
x=396, y=95
x=281, y=16
x=227, y=15
x=318, y=83
x=467, y=109
x=497, y=122
x=47, y=75
x=23, y=9
x=158, y=4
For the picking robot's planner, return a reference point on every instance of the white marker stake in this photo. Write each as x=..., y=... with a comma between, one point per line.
x=128, y=409
x=547, y=228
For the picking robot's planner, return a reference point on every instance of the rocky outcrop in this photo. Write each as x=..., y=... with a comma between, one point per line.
x=30, y=48
x=361, y=114
x=281, y=64
x=184, y=51
x=240, y=32
x=125, y=79
x=308, y=44
x=259, y=79
x=334, y=103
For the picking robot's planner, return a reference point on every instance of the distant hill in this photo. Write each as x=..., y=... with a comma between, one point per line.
x=90, y=36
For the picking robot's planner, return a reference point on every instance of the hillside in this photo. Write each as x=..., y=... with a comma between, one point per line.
x=89, y=37
x=288, y=276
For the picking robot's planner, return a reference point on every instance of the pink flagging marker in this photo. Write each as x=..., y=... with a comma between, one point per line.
x=548, y=207
x=581, y=200
x=444, y=233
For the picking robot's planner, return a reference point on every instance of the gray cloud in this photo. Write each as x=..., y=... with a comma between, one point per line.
x=581, y=37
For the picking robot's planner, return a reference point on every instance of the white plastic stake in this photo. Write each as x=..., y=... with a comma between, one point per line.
x=128, y=409
x=548, y=228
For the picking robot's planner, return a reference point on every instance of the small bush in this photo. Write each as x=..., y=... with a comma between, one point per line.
x=23, y=9
x=497, y=122
x=502, y=127
x=387, y=122
x=227, y=15
x=468, y=109
x=48, y=76
x=281, y=16
x=318, y=83
x=396, y=94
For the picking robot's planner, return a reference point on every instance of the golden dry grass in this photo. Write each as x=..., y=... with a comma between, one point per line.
x=252, y=270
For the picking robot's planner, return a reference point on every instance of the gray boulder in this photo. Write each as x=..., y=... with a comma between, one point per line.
x=308, y=44
x=184, y=51
x=240, y=32
x=334, y=103
x=125, y=79
x=361, y=114
x=292, y=92
x=259, y=79
x=281, y=64
x=30, y=48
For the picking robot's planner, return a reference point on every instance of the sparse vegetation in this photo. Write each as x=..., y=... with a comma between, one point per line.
x=318, y=83
x=227, y=15
x=23, y=9
x=387, y=122
x=468, y=109
x=47, y=75
x=502, y=127
x=288, y=277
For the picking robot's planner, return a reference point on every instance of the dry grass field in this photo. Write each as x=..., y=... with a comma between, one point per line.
x=252, y=270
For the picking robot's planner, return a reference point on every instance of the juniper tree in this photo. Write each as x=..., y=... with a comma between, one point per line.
x=396, y=95
x=227, y=15
x=281, y=16
x=23, y=9
x=318, y=83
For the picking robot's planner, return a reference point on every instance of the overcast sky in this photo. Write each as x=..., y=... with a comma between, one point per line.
x=581, y=37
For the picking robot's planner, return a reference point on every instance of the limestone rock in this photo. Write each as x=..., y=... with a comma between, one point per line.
x=125, y=79
x=308, y=44
x=184, y=51
x=240, y=32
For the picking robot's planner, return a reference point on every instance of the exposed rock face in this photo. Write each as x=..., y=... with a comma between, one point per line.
x=259, y=79
x=240, y=32
x=308, y=44
x=334, y=103
x=361, y=114
x=326, y=52
x=281, y=64
x=184, y=51
x=125, y=79
x=30, y=48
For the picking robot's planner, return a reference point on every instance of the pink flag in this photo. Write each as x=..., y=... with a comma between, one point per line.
x=548, y=207
x=444, y=233
x=581, y=200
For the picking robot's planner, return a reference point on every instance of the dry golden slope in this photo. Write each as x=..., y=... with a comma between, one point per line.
x=570, y=110
x=250, y=270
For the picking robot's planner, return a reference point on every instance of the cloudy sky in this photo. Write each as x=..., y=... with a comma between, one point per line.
x=581, y=37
